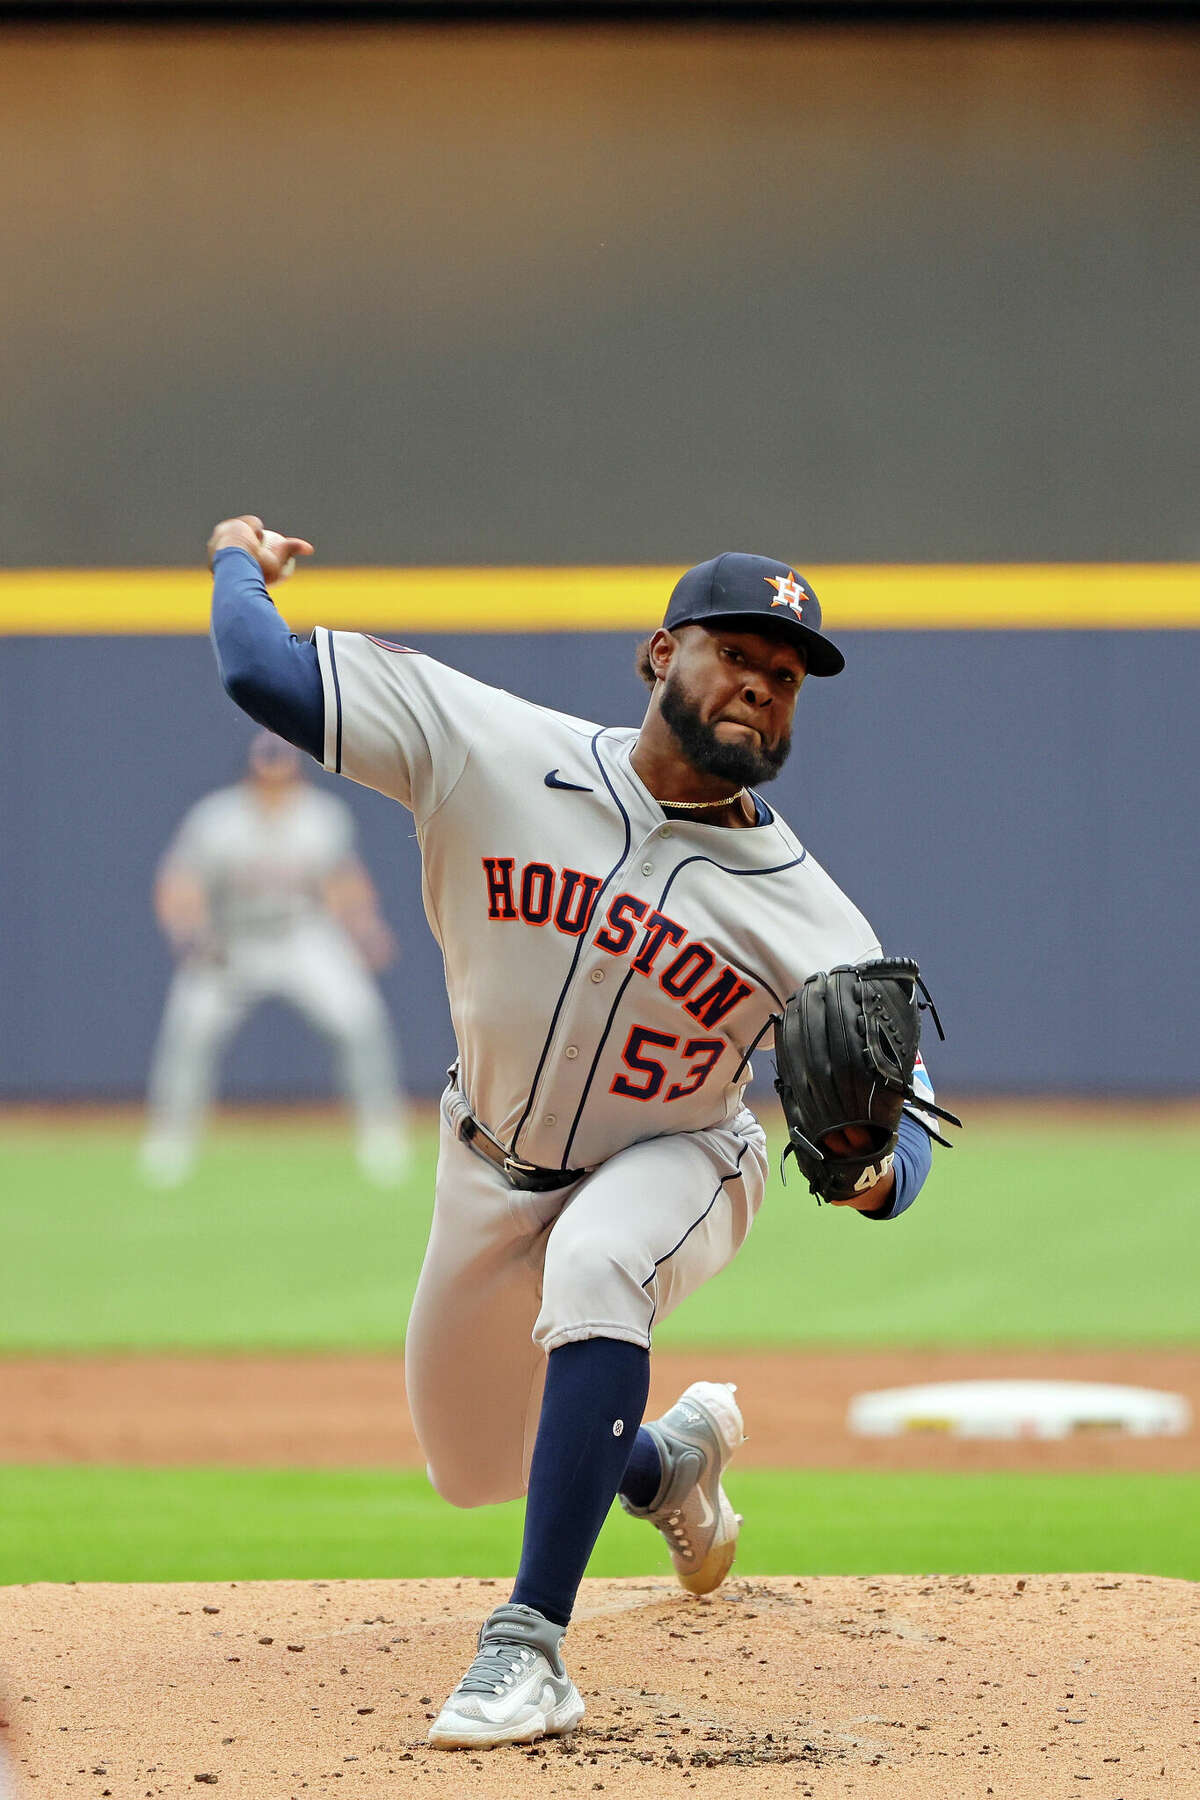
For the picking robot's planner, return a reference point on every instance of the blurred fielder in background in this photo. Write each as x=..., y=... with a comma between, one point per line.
x=261, y=895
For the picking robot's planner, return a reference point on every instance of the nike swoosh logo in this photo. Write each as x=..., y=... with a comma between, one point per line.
x=570, y=787
x=707, y=1514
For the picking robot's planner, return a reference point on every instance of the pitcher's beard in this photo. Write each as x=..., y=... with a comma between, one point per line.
x=711, y=755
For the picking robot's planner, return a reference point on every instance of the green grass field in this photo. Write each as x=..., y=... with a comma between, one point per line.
x=1027, y=1235
x=105, y=1524
x=1037, y=1235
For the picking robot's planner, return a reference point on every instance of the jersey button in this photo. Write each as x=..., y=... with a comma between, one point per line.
x=550, y=1119
x=647, y=868
x=597, y=975
x=570, y=1052
x=665, y=832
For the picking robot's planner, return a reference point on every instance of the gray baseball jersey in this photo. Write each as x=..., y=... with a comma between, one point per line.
x=608, y=967
x=264, y=869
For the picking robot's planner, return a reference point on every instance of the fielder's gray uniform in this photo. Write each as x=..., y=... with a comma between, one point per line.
x=608, y=968
x=263, y=870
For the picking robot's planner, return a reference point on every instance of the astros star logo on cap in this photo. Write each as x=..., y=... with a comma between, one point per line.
x=788, y=592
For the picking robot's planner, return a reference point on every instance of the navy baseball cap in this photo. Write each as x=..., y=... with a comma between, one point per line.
x=755, y=593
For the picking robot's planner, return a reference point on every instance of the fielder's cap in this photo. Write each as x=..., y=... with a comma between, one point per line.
x=755, y=593
x=270, y=752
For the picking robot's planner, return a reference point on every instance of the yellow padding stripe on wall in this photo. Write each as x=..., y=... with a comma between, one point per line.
x=934, y=596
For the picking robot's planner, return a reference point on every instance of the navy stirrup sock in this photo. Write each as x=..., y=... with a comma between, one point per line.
x=579, y=1457
x=643, y=1472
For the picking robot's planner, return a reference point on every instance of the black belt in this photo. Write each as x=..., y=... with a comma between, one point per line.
x=527, y=1178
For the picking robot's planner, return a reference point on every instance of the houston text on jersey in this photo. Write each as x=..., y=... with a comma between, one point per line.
x=540, y=895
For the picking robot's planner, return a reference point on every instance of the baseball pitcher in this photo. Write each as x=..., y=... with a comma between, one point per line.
x=623, y=918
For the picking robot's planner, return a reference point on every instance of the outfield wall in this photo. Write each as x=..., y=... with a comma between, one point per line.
x=1016, y=808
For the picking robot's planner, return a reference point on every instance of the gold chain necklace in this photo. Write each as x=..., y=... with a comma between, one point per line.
x=700, y=805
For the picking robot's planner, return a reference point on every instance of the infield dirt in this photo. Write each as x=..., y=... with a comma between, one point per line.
x=349, y=1411
x=908, y=1688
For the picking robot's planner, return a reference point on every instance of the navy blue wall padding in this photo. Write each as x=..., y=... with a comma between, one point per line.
x=1015, y=809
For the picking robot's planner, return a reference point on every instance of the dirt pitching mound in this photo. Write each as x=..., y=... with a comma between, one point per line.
x=901, y=1687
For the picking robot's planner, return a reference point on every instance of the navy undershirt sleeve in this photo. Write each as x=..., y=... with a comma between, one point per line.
x=914, y=1157
x=271, y=674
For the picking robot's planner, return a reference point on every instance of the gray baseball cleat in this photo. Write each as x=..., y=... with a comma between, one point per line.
x=695, y=1440
x=515, y=1690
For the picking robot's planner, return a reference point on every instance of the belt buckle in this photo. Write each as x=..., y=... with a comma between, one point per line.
x=513, y=1165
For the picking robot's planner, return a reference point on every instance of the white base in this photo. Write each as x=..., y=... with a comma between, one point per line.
x=1018, y=1409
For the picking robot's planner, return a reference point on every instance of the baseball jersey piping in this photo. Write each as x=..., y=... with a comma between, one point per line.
x=733, y=1175
x=591, y=1074
x=337, y=699
x=579, y=942
x=777, y=869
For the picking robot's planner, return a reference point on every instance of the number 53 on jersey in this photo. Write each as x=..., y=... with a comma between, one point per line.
x=694, y=1061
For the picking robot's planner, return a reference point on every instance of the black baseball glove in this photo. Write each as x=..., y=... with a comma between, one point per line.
x=845, y=1048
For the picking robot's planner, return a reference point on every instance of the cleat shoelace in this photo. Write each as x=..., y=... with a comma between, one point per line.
x=495, y=1668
